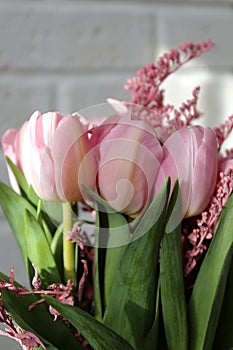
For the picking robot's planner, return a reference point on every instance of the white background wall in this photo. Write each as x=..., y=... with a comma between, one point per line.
x=68, y=55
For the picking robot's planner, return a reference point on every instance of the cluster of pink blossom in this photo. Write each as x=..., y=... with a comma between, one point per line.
x=127, y=158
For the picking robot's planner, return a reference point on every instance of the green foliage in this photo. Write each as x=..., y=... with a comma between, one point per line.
x=13, y=206
x=172, y=291
x=26, y=190
x=39, y=252
x=224, y=334
x=98, y=335
x=208, y=292
x=39, y=320
x=171, y=279
x=131, y=308
x=138, y=278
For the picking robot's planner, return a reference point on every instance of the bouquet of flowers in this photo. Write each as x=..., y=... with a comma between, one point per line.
x=124, y=222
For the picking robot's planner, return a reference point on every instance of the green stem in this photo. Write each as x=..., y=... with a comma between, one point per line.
x=68, y=247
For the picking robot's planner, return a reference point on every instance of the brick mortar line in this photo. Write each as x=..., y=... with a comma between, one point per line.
x=106, y=7
x=104, y=73
x=82, y=71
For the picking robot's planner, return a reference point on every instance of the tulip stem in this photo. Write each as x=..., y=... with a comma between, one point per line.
x=68, y=247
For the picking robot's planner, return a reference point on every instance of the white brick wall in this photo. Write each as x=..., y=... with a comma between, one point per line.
x=67, y=55
x=193, y=23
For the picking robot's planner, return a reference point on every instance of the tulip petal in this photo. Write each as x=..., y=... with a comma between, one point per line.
x=205, y=173
x=69, y=146
x=129, y=161
x=177, y=164
x=8, y=145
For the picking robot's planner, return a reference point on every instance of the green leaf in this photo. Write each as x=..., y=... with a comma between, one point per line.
x=208, y=292
x=57, y=249
x=99, y=336
x=99, y=263
x=112, y=232
x=29, y=194
x=224, y=334
x=99, y=200
x=103, y=239
x=131, y=308
x=111, y=237
x=174, y=308
x=42, y=223
x=39, y=252
x=27, y=190
x=39, y=321
x=49, y=347
x=174, y=212
x=119, y=235
x=151, y=339
x=172, y=291
x=13, y=206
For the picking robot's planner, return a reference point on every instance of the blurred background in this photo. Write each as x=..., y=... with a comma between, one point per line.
x=66, y=55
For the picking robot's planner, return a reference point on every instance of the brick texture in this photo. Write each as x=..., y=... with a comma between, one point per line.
x=178, y=24
x=69, y=37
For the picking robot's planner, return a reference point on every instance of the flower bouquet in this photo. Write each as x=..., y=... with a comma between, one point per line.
x=125, y=224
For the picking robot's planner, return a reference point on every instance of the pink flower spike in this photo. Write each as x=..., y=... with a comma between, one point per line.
x=151, y=76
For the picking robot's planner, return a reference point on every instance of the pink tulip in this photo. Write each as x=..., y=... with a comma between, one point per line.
x=129, y=159
x=11, y=141
x=49, y=150
x=191, y=156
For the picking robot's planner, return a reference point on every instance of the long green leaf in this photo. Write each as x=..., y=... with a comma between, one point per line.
x=99, y=264
x=26, y=189
x=101, y=238
x=57, y=249
x=208, y=292
x=118, y=236
x=29, y=194
x=98, y=335
x=174, y=310
x=172, y=291
x=131, y=308
x=39, y=321
x=224, y=334
x=111, y=237
x=39, y=252
x=13, y=206
x=151, y=339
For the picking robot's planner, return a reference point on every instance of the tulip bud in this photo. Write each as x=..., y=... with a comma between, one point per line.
x=11, y=141
x=129, y=160
x=49, y=150
x=191, y=156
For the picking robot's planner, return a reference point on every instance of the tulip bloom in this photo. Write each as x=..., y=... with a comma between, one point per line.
x=191, y=156
x=11, y=141
x=49, y=150
x=129, y=160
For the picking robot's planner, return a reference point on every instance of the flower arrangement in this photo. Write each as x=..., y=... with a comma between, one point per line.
x=124, y=224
